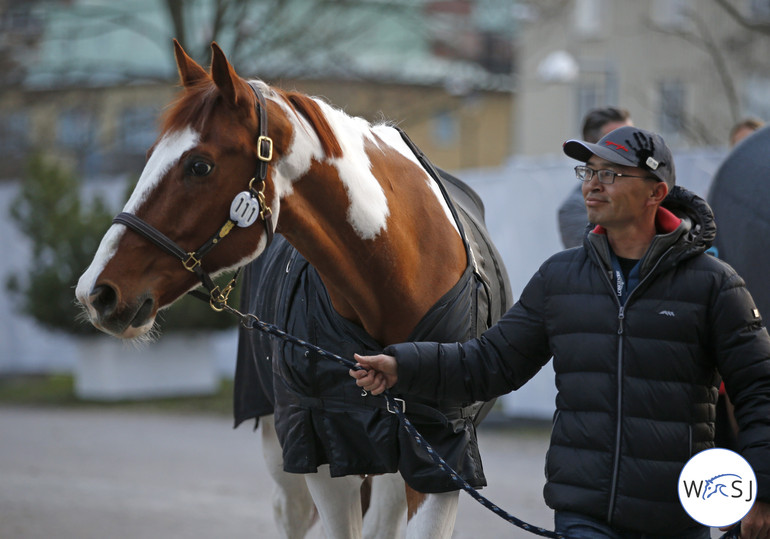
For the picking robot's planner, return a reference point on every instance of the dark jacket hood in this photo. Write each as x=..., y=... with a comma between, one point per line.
x=687, y=205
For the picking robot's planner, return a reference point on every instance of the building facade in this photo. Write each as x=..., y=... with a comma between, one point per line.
x=86, y=81
x=689, y=69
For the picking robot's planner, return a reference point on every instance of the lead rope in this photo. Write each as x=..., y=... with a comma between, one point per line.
x=250, y=321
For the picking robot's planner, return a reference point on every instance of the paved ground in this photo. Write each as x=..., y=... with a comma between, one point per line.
x=86, y=474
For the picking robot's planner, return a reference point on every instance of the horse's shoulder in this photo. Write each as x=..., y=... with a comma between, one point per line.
x=462, y=195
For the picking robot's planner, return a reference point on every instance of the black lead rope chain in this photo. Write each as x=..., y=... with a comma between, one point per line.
x=250, y=321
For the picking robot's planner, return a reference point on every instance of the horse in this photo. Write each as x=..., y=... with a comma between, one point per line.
x=383, y=253
x=739, y=196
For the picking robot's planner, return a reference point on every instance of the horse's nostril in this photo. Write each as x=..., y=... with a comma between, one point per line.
x=104, y=299
x=143, y=314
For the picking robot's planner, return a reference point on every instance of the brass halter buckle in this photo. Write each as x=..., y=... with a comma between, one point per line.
x=263, y=157
x=191, y=263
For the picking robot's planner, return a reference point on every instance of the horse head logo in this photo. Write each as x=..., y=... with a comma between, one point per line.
x=713, y=486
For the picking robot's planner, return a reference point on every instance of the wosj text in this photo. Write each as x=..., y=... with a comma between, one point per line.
x=721, y=486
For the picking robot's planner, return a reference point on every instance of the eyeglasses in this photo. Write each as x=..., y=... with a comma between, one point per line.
x=605, y=176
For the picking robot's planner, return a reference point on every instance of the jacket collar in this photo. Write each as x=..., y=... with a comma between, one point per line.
x=692, y=235
x=670, y=229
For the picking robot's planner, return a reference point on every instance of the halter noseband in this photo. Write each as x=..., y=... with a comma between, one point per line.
x=245, y=209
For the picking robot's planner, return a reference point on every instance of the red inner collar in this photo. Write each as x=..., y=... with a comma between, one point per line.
x=665, y=222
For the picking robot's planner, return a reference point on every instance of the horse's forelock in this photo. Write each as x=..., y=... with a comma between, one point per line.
x=191, y=108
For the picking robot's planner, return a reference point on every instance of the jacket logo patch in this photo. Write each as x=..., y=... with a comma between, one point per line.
x=667, y=313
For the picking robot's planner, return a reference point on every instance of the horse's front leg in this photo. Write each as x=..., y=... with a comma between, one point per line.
x=431, y=515
x=293, y=508
x=338, y=500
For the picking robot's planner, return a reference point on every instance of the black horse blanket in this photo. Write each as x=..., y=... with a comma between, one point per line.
x=321, y=415
x=740, y=198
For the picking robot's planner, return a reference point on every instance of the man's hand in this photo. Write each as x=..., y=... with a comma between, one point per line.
x=756, y=524
x=381, y=373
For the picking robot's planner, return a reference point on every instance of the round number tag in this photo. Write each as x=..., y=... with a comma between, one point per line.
x=244, y=210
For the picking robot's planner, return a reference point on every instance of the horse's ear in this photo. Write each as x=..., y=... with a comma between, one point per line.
x=190, y=72
x=225, y=77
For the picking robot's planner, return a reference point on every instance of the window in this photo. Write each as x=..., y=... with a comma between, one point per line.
x=589, y=96
x=444, y=129
x=672, y=111
x=137, y=129
x=590, y=17
x=595, y=89
x=759, y=10
x=756, y=90
x=14, y=132
x=672, y=14
x=76, y=130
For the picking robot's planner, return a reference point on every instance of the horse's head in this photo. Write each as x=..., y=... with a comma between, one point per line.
x=717, y=485
x=206, y=154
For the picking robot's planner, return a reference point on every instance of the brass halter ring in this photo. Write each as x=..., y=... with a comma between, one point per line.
x=265, y=210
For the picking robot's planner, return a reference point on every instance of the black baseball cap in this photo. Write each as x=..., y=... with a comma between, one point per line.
x=632, y=147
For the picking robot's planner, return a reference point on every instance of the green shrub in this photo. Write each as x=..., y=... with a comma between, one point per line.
x=64, y=233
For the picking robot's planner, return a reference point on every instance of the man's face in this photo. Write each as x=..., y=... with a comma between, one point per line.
x=621, y=203
x=740, y=134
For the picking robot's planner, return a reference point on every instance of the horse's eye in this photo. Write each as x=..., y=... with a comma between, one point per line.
x=200, y=168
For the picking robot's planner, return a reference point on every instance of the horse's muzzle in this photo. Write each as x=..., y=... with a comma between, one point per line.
x=118, y=318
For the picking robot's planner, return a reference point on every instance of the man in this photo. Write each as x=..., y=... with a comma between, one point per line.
x=572, y=213
x=640, y=323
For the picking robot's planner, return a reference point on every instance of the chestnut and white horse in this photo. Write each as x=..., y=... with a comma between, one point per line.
x=350, y=196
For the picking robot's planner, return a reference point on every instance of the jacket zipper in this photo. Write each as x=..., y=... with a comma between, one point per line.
x=618, y=422
x=618, y=430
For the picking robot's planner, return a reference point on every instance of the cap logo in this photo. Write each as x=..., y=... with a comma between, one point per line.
x=644, y=147
x=617, y=146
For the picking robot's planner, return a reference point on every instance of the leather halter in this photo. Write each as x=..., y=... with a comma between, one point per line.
x=192, y=261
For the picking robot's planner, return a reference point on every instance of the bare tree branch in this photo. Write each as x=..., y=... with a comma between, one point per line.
x=737, y=16
x=705, y=40
x=176, y=12
x=714, y=50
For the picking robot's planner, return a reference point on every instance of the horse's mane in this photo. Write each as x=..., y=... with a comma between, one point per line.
x=196, y=103
x=308, y=107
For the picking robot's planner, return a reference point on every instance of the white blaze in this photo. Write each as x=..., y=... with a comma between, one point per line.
x=166, y=154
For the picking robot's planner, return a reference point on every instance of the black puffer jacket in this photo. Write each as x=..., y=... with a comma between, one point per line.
x=637, y=385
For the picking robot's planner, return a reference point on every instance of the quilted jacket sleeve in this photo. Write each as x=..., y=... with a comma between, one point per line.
x=499, y=361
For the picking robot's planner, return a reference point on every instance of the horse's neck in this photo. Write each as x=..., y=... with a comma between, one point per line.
x=384, y=279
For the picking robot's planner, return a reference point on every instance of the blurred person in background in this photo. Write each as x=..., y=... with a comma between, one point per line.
x=572, y=213
x=641, y=323
x=743, y=129
x=726, y=426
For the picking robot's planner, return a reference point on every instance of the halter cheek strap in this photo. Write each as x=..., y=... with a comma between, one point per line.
x=264, y=156
x=245, y=209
